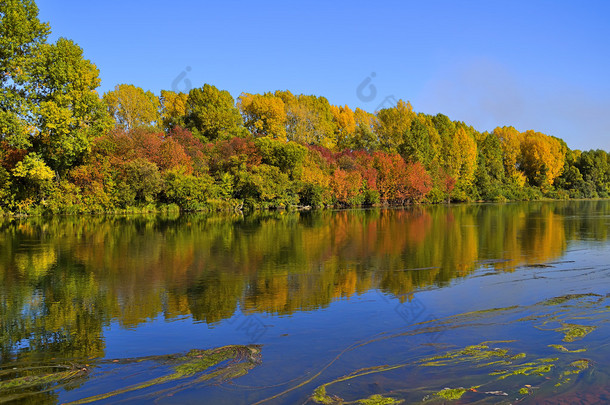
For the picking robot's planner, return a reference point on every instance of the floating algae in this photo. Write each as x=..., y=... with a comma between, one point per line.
x=221, y=364
x=44, y=379
x=577, y=367
x=573, y=332
x=451, y=393
x=321, y=397
x=564, y=349
x=562, y=299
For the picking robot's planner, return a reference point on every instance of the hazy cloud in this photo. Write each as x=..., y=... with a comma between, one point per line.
x=486, y=94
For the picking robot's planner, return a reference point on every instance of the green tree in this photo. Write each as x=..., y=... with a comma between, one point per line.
x=69, y=112
x=211, y=113
x=21, y=36
x=392, y=125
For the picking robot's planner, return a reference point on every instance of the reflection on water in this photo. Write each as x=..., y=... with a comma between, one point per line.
x=64, y=280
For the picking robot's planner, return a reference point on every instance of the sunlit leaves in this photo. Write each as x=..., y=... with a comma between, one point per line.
x=132, y=107
x=211, y=113
x=264, y=115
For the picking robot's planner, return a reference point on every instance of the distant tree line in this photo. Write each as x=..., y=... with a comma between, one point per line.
x=65, y=149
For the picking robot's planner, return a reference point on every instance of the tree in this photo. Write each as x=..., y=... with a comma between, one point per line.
x=345, y=125
x=419, y=182
x=34, y=174
x=420, y=142
x=392, y=125
x=510, y=141
x=173, y=109
x=309, y=119
x=21, y=36
x=364, y=137
x=264, y=115
x=211, y=113
x=541, y=159
x=132, y=107
x=69, y=112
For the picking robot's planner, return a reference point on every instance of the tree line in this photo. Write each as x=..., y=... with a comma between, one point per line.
x=66, y=149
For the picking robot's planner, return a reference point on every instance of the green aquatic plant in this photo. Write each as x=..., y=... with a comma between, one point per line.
x=44, y=379
x=573, y=332
x=562, y=299
x=379, y=400
x=451, y=393
x=221, y=364
x=502, y=362
x=320, y=396
x=564, y=349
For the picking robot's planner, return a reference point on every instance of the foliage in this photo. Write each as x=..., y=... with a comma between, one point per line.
x=273, y=149
x=131, y=107
x=211, y=113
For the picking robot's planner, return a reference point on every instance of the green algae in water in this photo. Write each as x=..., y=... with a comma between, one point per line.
x=222, y=363
x=321, y=397
x=568, y=297
x=379, y=400
x=451, y=393
x=45, y=379
x=574, y=332
x=564, y=349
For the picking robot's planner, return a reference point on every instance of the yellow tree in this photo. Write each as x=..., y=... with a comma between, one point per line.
x=345, y=125
x=173, y=108
x=466, y=163
x=133, y=107
x=263, y=114
x=510, y=141
x=542, y=158
x=365, y=137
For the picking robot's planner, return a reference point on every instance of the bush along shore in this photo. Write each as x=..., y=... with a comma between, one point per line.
x=66, y=149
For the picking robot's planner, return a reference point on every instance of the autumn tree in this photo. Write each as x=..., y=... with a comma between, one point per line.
x=309, y=119
x=211, y=113
x=264, y=115
x=419, y=181
x=69, y=111
x=541, y=159
x=392, y=124
x=510, y=141
x=345, y=125
x=365, y=137
x=173, y=109
x=132, y=107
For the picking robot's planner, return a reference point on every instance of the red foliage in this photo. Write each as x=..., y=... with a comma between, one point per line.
x=191, y=145
x=391, y=177
x=346, y=185
x=122, y=147
x=419, y=181
x=327, y=154
x=171, y=154
x=10, y=156
x=91, y=176
x=232, y=153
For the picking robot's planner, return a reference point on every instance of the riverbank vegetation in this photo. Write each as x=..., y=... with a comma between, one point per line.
x=64, y=148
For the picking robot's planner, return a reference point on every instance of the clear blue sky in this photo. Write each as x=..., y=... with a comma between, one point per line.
x=540, y=65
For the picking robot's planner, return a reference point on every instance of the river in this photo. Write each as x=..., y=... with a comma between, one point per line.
x=479, y=303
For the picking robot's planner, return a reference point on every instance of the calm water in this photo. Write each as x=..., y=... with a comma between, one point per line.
x=506, y=301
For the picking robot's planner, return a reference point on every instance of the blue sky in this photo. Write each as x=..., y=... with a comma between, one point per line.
x=540, y=65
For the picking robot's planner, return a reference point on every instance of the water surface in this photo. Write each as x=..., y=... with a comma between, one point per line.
x=286, y=308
